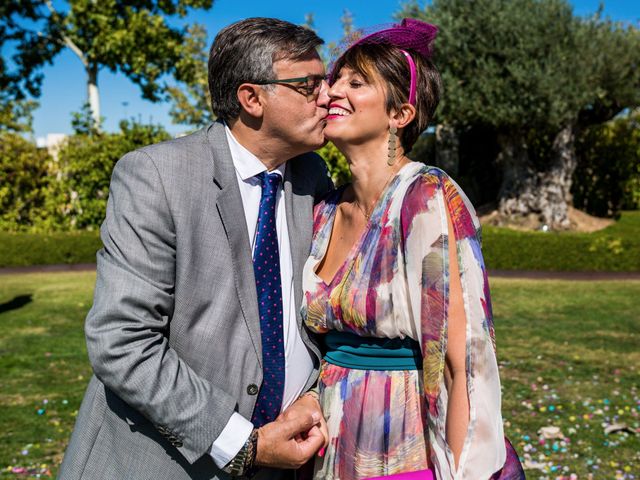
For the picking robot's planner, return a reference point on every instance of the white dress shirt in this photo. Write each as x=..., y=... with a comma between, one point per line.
x=298, y=361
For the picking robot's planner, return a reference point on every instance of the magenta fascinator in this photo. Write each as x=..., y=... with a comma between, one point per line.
x=410, y=34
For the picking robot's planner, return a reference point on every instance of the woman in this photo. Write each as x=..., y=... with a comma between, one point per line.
x=397, y=284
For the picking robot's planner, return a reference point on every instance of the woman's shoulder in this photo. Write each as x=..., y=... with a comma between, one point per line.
x=423, y=182
x=424, y=175
x=429, y=189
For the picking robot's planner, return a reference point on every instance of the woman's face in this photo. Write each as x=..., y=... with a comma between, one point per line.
x=357, y=109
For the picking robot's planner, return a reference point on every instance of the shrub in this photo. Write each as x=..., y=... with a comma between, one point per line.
x=337, y=164
x=23, y=249
x=24, y=179
x=614, y=249
x=86, y=161
x=607, y=178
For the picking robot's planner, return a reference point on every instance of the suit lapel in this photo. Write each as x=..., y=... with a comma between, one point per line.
x=229, y=205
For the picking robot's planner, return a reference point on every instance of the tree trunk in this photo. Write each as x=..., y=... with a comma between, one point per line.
x=93, y=96
x=447, y=149
x=555, y=182
x=518, y=192
x=527, y=192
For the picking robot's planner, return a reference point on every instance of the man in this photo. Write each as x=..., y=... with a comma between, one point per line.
x=194, y=335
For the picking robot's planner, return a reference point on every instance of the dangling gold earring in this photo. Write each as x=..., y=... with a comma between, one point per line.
x=392, y=146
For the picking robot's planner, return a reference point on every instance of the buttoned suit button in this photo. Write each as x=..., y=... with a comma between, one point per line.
x=252, y=389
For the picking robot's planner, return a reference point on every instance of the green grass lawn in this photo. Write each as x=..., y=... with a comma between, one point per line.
x=569, y=354
x=44, y=367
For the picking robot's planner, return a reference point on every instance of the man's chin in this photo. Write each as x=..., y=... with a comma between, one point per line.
x=321, y=142
x=324, y=142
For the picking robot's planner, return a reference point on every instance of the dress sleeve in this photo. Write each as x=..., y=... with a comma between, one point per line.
x=426, y=251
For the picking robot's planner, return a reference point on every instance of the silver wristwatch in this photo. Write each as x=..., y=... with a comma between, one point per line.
x=242, y=463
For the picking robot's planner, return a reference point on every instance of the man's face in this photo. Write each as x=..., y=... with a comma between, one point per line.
x=290, y=115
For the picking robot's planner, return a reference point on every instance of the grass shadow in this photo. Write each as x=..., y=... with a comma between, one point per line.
x=16, y=302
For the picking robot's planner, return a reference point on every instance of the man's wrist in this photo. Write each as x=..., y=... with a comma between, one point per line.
x=253, y=450
x=243, y=462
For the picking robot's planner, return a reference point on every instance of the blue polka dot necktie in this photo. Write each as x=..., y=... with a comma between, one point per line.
x=266, y=268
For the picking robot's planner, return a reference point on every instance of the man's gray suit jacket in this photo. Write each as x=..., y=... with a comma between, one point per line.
x=173, y=335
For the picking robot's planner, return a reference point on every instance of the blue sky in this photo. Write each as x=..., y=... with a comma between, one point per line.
x=64, y=89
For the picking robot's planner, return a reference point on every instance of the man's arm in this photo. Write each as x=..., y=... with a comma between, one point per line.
x=127, y=327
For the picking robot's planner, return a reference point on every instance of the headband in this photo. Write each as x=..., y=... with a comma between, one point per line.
x=414, y=78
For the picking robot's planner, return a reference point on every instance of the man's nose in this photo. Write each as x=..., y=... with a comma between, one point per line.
x=323, y=96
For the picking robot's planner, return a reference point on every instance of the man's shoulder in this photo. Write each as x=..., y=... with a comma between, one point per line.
x=176, y=148
x=182, y=155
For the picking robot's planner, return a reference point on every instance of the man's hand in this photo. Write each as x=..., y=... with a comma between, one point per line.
x=307, y=404
x=277, y=444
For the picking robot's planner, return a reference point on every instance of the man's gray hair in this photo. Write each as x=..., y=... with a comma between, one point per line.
x=245, y=51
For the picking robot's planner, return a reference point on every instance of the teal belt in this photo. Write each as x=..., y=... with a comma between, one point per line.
x=370, y=353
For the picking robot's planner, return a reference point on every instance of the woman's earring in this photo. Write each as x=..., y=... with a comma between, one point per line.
x=392, y=146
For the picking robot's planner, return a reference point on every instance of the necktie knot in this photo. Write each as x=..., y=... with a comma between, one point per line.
x=269, y=181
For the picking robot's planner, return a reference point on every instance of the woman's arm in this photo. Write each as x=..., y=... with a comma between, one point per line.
x=455, y=375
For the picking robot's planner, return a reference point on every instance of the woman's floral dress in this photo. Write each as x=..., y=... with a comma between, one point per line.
x=394, y=284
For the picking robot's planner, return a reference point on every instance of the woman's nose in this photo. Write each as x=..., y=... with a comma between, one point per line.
x=335, y=91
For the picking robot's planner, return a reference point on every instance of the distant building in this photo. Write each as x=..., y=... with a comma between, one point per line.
x=52, y=142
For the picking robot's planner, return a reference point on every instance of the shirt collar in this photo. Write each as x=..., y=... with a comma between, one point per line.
x=246, y=163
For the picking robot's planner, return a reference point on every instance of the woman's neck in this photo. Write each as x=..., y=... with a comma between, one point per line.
x=370, y=172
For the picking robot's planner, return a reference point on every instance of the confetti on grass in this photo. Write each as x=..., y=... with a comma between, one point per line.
x=572, y=433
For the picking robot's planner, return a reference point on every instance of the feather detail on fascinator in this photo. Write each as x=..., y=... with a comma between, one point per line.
x=410, y=34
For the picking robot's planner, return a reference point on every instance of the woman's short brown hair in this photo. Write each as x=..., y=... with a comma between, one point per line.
x=388, y=62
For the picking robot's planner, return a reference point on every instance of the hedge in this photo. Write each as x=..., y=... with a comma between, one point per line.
x=616, y=248
x=23, y=249
x=613, y=249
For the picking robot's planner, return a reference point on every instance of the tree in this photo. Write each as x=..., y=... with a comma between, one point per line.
x=19, y=74
x=531, y=71
x=126, y=36
x=19, y=77
x=191, y=103
x=310, y=21
x=335, y=49
x=16, y=115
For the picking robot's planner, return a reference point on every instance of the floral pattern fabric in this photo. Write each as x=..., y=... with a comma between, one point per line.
x=395, y=283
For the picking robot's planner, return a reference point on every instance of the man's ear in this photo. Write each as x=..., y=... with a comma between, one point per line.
x=249, y=96
x=404, y=116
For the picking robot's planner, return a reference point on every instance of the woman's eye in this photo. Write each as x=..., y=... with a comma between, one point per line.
x=355, y=84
